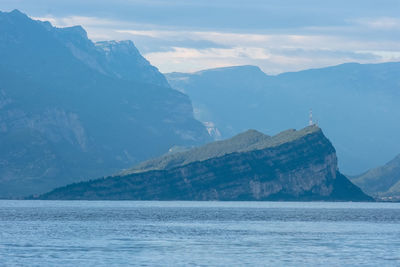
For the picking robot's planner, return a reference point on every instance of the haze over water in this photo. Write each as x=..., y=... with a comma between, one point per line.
x=106, y=233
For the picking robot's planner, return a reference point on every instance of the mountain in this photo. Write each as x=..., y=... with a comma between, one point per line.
x=122, y=59
x=383, y=181
x=293, y=165
x=356, y=104
x=71, y=109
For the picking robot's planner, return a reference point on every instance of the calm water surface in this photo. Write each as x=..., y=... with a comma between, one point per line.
x=112, y=233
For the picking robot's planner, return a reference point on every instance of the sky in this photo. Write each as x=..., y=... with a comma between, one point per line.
x=278, y=36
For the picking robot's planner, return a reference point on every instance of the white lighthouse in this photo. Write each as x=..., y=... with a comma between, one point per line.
x=310, y=122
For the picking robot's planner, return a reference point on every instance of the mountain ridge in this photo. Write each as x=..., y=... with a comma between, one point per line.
x=383, y=181
x=361, y=98
x=243, y=142
x=300, y=167
x=64, y=119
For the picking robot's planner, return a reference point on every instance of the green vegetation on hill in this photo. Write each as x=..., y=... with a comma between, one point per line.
x=383, y=181
x=247, y=141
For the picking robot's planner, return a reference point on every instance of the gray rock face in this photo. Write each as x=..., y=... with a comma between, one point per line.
x=124, y=61
x=68, y=111
x=300, y=166
x=118, y=59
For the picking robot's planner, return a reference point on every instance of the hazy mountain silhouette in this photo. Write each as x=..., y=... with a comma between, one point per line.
x=356, y=104
x=71, y=109
x=383, y=181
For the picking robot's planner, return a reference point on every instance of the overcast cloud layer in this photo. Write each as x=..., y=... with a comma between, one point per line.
x=278, y=36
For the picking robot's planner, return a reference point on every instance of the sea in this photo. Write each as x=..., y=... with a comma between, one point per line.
x=180, y=233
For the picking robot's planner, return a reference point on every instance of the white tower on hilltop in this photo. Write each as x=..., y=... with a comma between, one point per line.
x=310, y=122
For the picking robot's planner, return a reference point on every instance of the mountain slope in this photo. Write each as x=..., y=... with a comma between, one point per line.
x=68, y=112
x=244, y=142
x=383, y=181
x=123, y=60
x=295, y=165
x=356, y=104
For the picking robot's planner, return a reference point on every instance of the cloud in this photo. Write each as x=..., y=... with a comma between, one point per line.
x=82, y=20
x=271, y=61
x=97, y=28
x=304, y=41
x=275, y=50
x=381, y=23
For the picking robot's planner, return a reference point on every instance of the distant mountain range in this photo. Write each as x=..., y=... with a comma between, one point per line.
x=293, y=165
x=71, y=109
x=382, y=182
x=357, y=105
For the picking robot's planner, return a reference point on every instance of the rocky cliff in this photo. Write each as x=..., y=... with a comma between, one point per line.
x=71, y=109
x=293, y=165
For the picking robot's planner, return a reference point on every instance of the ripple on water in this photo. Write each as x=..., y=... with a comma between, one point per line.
x=107, y=233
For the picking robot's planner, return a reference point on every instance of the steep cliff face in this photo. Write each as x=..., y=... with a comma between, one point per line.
x=68, y=112
x=295, y=165
x=118, y=59
x=123, y=60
